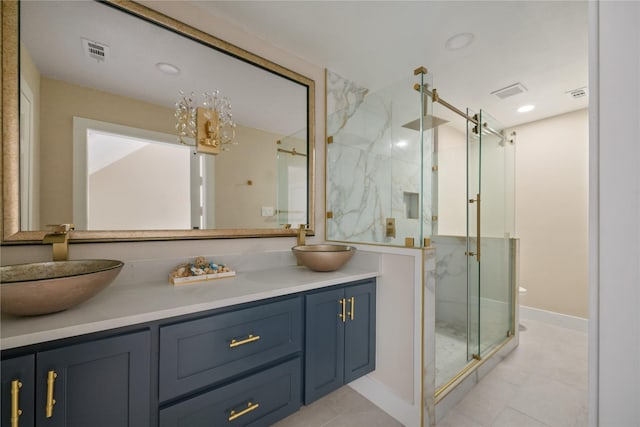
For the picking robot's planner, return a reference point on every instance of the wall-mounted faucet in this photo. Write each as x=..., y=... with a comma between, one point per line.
x=59, y=238
x=302, y=234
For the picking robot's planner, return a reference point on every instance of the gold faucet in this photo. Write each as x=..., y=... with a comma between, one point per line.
x=302, y=234
x=59, y=238
x=301, y=237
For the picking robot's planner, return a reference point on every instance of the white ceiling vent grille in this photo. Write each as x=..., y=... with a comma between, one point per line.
x=578, y=93
x=95, y=50
x=510, y=90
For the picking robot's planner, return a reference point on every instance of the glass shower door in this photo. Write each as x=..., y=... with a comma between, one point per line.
x=473, y=249
x=495, y=291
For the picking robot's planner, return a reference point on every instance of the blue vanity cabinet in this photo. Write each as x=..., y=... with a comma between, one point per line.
x=340, y=337
x=236, y=368
x=97, y=382
x=200, y=353
x=258, y=400
x=18, y=391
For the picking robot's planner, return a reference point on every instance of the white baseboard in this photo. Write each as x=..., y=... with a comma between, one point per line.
x=558, y=319
x=406, y=413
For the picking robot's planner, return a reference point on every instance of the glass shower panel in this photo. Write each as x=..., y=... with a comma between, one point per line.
x=374, y=166
x=291, y=180
x=473, y=252
x=496, y=293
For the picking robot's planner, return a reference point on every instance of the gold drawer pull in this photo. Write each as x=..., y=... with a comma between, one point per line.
x=51, y=379
x=352, y=313
x=343, y=309
x=250, y=338
x=250, y=407
x=15, y=399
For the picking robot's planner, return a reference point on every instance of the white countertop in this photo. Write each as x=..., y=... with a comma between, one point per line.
x=125, y=304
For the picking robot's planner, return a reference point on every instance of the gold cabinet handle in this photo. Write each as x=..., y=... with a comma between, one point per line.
x=250, y=338
x=343, y=309
x=352, y=311
x=250, y=407
x=51, y=379
x=15, y=399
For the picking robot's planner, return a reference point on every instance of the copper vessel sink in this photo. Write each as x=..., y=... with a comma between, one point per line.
x=323, y=257
x=48, y=287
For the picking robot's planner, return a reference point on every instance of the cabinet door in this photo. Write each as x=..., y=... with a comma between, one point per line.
x=360, y=331
x=258, y=400
x=15, y=372
x=102, y=383
x=324, y=344
x=198, y=353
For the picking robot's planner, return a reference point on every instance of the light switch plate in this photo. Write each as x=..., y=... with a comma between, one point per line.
x=268, y=211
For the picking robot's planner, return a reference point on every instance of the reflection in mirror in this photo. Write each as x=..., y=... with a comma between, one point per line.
x=98, y=139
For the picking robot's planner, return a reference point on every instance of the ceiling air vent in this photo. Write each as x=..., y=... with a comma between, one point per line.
x=510, y=90
x=95, y=50
x=578, y=93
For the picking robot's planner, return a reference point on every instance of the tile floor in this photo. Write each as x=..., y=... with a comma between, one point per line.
x=542, y=383
x=342, y=408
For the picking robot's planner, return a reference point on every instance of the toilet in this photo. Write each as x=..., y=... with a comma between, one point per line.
x=521, y=293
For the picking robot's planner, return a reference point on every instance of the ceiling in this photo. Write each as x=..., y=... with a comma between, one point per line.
x=542, y=45
x=260, y=99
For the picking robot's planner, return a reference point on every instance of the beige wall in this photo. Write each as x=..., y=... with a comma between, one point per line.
x=237, y=203
x=551, y=212
x=61, y=101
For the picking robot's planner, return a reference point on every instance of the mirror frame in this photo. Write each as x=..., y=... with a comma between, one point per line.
x=10, y=200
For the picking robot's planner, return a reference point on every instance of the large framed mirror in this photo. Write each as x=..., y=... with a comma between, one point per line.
x=93, y=97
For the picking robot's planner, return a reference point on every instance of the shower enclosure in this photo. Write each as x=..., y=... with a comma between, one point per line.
x=406, y=168
x=291, y=208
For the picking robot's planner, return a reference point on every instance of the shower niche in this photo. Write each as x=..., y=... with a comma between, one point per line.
x=445, y=176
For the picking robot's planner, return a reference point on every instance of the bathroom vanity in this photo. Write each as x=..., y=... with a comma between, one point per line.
x=248, y=350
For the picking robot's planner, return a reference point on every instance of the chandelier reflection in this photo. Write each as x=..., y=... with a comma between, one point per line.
x=211, y=125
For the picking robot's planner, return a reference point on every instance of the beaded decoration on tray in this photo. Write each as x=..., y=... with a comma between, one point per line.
x=198, y=271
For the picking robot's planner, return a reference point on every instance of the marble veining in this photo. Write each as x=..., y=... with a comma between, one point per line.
x=372, y=163
x=429, y=337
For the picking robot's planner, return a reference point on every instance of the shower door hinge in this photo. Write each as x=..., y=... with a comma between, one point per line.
x=330, y=140
x=476, y=356
x=434, y=168
x=509, y=334
x=329, y=214
x=470, y=253
x=434, y=217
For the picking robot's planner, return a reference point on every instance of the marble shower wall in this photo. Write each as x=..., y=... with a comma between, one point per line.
x=374, y=163
x=495, y=285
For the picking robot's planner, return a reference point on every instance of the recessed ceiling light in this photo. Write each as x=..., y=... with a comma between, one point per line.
x=402, y=143
x=167, y=68
x=459, y=41
x=526, y=108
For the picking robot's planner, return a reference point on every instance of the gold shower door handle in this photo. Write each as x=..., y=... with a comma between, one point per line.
x=51, y=379
x=477, y=202
x=478, y=227
x=15, y=400
x=343, y=309
x=352, y=310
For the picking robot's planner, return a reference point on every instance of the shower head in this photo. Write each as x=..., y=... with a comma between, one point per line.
x=430, y=122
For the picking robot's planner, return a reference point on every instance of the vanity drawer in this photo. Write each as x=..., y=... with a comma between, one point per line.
x=258, y=400
x=202, y=352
